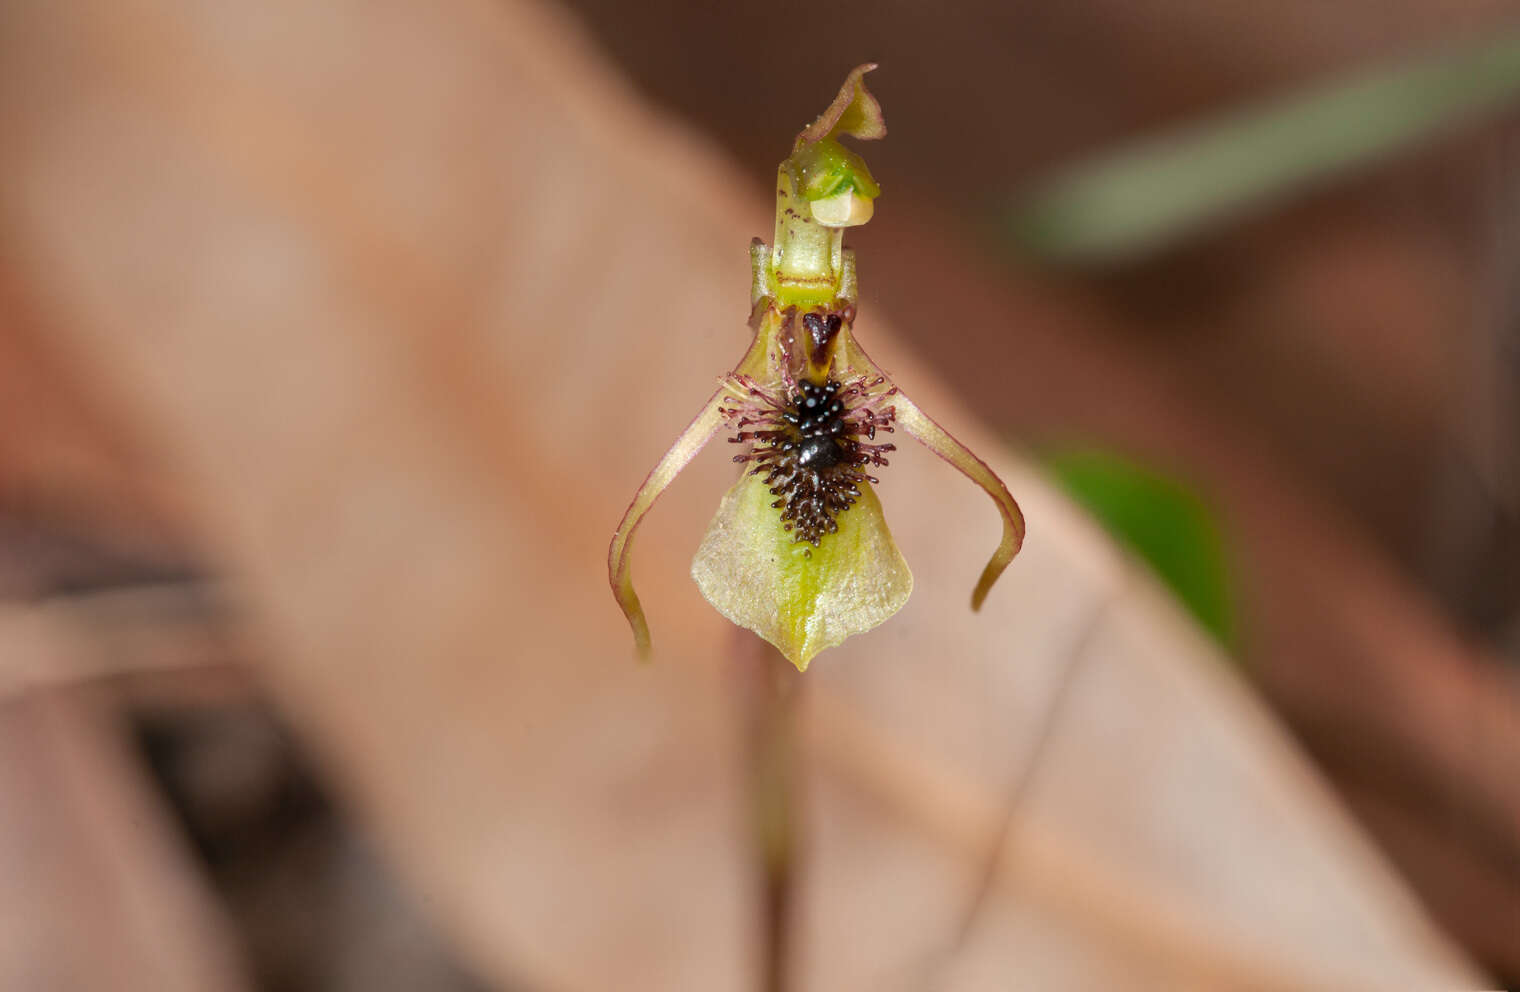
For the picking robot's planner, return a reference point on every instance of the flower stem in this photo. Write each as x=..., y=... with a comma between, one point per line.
x=770, y=687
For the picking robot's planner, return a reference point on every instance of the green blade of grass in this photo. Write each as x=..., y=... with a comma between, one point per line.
x=1171, y=186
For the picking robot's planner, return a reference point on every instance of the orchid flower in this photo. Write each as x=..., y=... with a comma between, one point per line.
x=799, y=551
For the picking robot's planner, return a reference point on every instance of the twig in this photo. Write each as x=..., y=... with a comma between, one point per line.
x=143, y=629
x=1018, y=792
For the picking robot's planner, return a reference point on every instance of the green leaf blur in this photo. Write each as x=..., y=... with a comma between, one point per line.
x=1162, y=521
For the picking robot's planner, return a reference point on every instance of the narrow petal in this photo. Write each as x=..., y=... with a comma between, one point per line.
x=697, y=434
x=800, y=598
x=620, y=554
x=938, y=440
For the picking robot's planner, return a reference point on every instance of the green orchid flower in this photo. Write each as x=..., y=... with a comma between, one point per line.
x=799, y=551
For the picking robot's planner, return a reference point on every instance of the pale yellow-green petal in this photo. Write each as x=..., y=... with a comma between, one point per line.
x=800, y=598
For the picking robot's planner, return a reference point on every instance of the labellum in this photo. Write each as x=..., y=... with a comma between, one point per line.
x=799, y=550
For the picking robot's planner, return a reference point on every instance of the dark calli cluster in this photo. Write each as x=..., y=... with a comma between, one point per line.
x=811, y=446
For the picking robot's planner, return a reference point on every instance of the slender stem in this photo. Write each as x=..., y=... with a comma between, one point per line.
x=771, y=687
